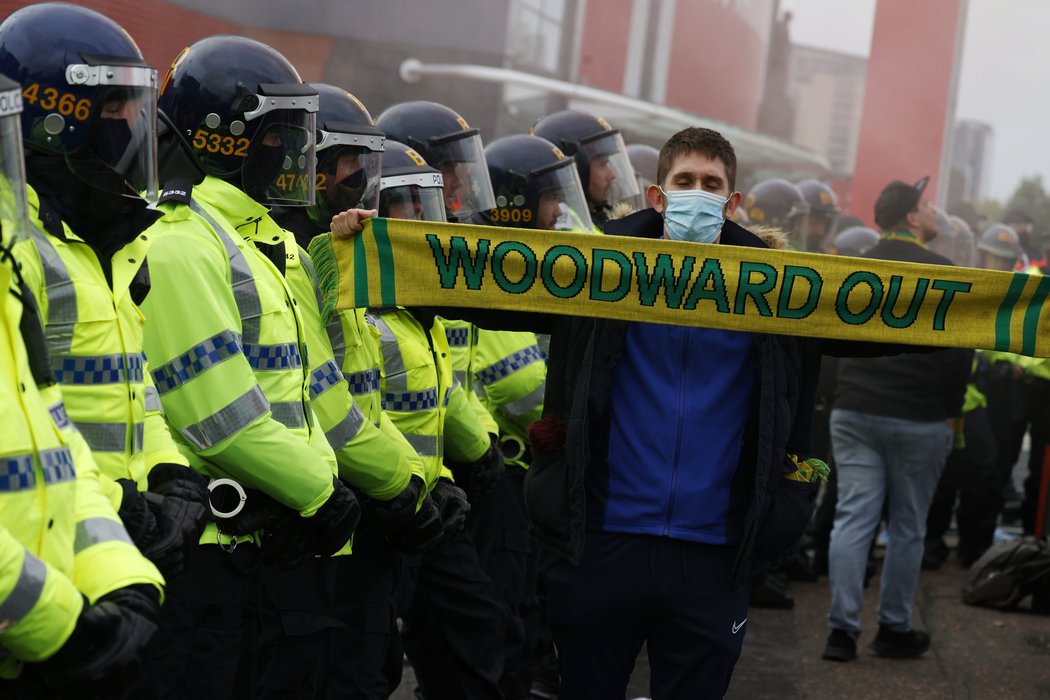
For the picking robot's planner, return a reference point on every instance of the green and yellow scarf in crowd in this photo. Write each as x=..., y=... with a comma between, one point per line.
x=412, y=263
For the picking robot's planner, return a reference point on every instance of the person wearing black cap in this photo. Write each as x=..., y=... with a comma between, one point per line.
x=891, y=431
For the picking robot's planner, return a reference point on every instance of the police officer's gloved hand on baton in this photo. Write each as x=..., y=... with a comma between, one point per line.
x=103, y=656
x=164, y=524
x=293, y=539
x=479, y=478
x=453, y=505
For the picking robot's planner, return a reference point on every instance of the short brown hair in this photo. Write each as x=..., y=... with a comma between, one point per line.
x=697, y=139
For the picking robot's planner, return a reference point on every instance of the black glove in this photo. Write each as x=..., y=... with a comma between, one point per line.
x=453, y=506
x=164, y=528
x=423, y=531
x=260, y=512
x=292, y=538
x=102, y=658
x=395, y=514
x=175, y=479
x=479, y=478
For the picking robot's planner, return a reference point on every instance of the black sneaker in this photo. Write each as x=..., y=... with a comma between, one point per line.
x=841, y=647
x=900, y=645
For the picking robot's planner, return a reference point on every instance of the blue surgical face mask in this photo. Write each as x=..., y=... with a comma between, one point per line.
x=694, y=215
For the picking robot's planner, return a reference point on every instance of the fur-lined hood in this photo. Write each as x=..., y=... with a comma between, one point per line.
x=774, y=237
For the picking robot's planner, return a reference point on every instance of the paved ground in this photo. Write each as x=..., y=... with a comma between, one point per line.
x=976, y=653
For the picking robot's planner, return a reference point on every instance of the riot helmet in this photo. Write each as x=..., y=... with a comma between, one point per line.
x=410, y=189
x=778, y=203
x=446, y=142
x=536, y=185
x=999, y=248
x=645, y=161
x=601, y=157
x=854, y=241
x=823, y=214
x=88, y=96
x=246, y=117
x=349, y=155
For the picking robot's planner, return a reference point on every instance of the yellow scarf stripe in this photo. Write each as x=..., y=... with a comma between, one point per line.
x=412, y=263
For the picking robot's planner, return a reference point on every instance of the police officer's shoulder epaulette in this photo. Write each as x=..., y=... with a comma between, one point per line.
x=176, y=190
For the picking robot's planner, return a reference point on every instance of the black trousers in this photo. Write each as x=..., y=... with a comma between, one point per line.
x=673, y=595
x=499, y=527
x=364, y=606
x=232, y=627
x=972, y=476
x=454, y=624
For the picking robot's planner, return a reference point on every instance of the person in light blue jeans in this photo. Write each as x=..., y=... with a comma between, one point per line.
x=879, y=458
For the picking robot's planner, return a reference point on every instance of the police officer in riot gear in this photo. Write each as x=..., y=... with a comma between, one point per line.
x=536, y=186
x=780, y=204
x=446, y=142
x=822, y=217
x=854, y=241
x=601, y=158
x=645, y=160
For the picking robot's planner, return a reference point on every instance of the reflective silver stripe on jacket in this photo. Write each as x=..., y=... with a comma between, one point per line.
x=347, y=429
x=245, y=293
x=153, y=400
x=324, y=378
x=424, y=445
x=288, y=413
x=24, y=596
x=510, y=364
x=61, y=296
x=110, y=437
x=16, y=473
x=393, y=363
x=57, y=464
x=523, y=405
x=195, y=361
x=92, y=531
x=227, y=421
x=364, y=382
x=97, y=369
x=268, y=358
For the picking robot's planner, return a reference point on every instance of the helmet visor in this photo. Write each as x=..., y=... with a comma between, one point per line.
x=13, y=213
x=611, y=177
x=560, y=203
x=461, y=161
x=119, y=153
x=412, y=201
x=347, y=178
x=280, y=167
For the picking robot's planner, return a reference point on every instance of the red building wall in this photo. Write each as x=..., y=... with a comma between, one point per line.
x=603, y=45
x=907, y=98
x=162, y=30
x=717, y=63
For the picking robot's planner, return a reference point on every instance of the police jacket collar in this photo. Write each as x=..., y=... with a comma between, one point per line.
x=648, y=223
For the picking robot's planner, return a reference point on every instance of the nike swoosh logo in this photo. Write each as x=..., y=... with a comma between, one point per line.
x=738, y=625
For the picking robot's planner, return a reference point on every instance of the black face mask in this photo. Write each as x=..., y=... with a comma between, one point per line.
x=107, y=221
x=266, y=164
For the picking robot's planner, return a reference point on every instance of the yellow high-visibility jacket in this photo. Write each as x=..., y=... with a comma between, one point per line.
x=225, y=340
x=94, y=335
x=60, y=538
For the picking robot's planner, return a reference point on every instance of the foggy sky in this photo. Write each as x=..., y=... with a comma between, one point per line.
x=1005, y=78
